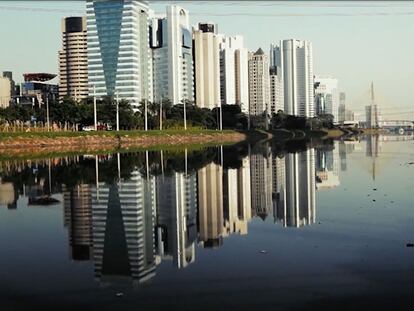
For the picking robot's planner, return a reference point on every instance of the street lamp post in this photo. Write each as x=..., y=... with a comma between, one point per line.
x=161, y=115
x=185, y=116
x=47, y=112
x=146, y=114
x=95, y=117
x=117, y=112
x=221, y=117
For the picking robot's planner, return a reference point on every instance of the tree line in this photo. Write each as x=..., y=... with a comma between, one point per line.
x=79, y=114
x=71, y=114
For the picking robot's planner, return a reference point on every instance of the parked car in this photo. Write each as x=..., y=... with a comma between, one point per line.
x=88, y=128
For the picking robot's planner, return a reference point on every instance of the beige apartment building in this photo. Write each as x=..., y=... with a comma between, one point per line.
x=259, y=83
x=73, y=59
x=207, y=66
x=5, y=92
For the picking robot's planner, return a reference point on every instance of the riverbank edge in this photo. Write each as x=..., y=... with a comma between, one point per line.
x=33, y=145
x=336, y=133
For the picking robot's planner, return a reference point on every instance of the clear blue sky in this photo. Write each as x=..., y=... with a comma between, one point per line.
x=357, y=42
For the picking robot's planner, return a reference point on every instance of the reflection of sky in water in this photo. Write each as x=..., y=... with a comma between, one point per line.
x=351, y=242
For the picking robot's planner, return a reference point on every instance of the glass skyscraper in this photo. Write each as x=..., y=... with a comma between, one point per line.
x=118, y=49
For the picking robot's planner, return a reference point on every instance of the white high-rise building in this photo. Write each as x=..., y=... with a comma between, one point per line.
x=118, y=50
x=327, y=96
x=234, y=72
x=172, y=44
x=259, y=93
x=295, y=59
x=207, y=66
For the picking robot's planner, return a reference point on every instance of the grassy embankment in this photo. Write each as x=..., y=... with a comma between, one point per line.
x=48, y=144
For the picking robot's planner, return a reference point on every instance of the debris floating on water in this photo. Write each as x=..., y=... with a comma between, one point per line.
x=119, y=294
x=263, y=252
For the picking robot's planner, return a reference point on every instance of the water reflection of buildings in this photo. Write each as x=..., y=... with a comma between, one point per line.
x=210, y=204
x=237, y=199
x=8, y=195
x=345, y=148
x=77, y=205
x=127, y=223
x=327, y=168
x=176, y=228
x=261, y=184
x=295, y=201
x=123, y=229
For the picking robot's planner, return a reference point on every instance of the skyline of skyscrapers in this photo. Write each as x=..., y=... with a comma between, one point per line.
x=171, y=60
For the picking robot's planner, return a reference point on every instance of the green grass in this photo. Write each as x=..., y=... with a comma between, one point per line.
x=134, y=133
x=45, y=154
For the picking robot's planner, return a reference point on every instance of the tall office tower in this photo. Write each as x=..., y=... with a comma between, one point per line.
x=5, y=92
x=119, y=59
x=77, y=204
x=297, y=207
x=276, y=80
x=210, y=205
x=123, y=214
x=176, y=229
x=276, y=90
x=261, y=184
x=234, y=72
x=236, y=199
x=327, y=96
x=73, y=59
x=372, y=113
x=207, y=66
x=259, y=93
x=296, y=60
x=342, y=107
x=172, y=48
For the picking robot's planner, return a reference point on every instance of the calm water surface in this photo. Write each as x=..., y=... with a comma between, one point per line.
x=317, y=227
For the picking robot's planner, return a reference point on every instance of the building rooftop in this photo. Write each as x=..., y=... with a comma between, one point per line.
x=259, y=52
